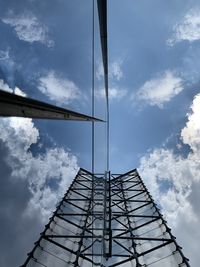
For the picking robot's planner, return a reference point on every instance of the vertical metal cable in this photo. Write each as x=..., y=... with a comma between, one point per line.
x=106, y=88
x=107, y=127
x=93, y=129
x=93, y=85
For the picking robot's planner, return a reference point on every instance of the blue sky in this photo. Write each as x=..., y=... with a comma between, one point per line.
x=45, y=53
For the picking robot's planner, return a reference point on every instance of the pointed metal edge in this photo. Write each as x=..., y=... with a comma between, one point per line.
x=12, y=105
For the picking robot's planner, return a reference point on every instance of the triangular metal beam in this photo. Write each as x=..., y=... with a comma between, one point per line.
x=12, y=105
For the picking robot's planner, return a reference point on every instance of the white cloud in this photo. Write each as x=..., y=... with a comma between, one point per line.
x=114, y=93
x=161, y=89
x=115, y=70
x=191, y=132
x=5, y=87
x=19, y=134
x=188, y=29
x=4, y=55
x=58, y=89
x=8, y=65
x=172, y=179
x=163, y=165
x=28, y=28
x=56, y=164
x=115, y=75
x=32, y=184
x=99, y=71
x=18, y=91
x=21, y=129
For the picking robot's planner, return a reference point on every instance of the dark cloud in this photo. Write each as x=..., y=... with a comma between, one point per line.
x=18, y=232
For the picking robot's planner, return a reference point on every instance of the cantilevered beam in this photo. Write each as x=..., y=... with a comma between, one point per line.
x=12, y=105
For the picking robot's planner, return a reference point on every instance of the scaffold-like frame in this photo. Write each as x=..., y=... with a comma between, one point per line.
x=107, y=220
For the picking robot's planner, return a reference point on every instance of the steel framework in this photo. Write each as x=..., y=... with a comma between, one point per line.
x=107, y=220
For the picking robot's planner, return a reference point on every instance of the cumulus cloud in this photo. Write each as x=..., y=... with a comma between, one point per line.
x=58, y=89
x=115, y=70
x=163, y=166
x=115, y=75
x=5, y=87
x=28, y=28
x=187, y=29
x=171, y=178
x=19, y=134
x=114, y=93
x=99, y=71
x=161, y=89
x=8, y=66
x=32, y=185
x=16, y=90
x=190, y=134
x=4, y=55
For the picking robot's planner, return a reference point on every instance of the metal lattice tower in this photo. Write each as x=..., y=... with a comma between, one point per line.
x=110, y=221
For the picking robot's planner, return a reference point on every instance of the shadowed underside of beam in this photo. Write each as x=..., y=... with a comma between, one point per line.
x=102, y=11
x=12, y=105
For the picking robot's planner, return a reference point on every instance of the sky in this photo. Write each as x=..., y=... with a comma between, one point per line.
x=46, y=54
